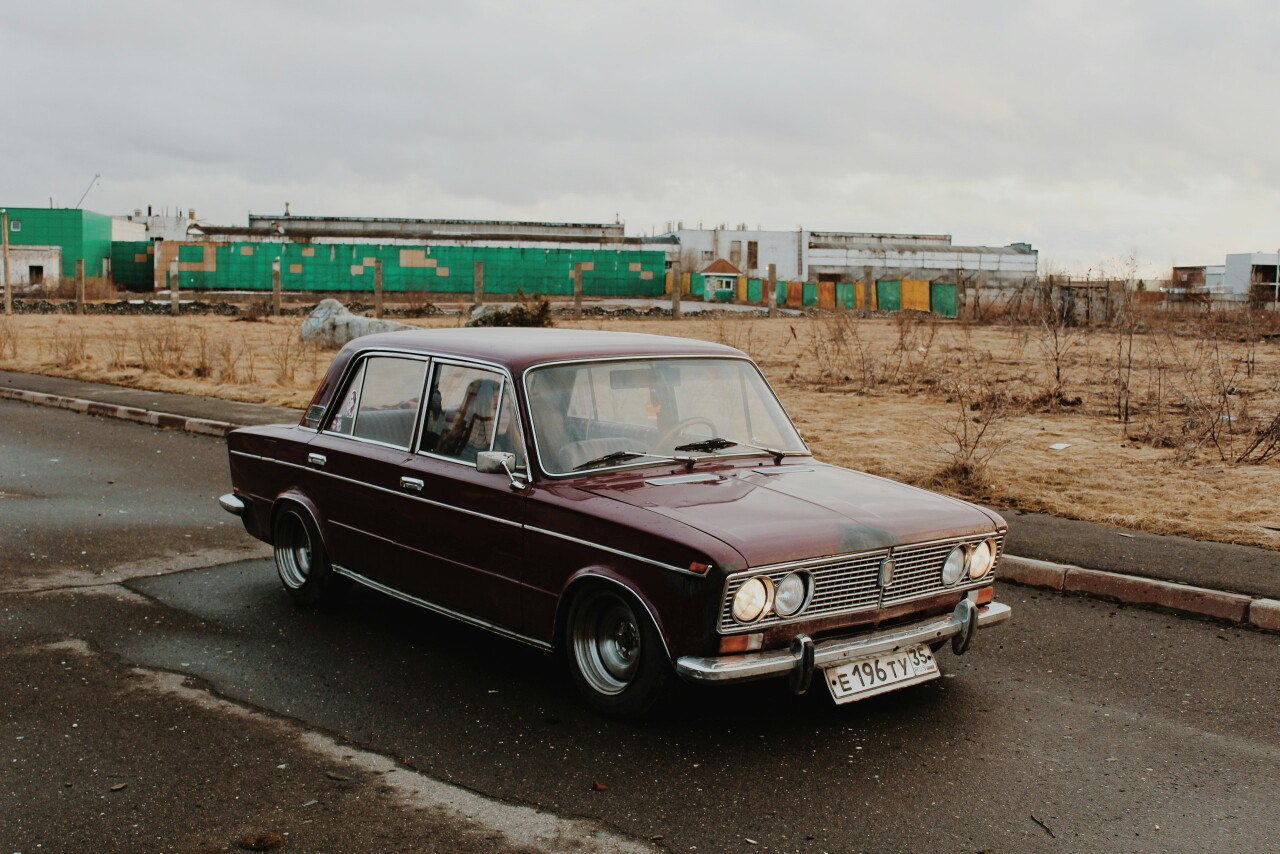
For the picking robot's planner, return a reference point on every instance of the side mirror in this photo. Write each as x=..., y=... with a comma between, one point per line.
x=498, y=462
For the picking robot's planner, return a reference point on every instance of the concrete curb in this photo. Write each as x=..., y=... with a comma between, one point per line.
x=1260, y=613
x=1135, y=590
x=203, y=426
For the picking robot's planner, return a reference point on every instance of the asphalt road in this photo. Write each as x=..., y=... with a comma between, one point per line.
x=1077, y=726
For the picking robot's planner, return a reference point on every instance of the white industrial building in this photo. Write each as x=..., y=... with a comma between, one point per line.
x=1247, y=271
x=811, y=256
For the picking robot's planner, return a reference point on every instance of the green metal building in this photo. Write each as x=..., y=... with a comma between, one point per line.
x=46, y=243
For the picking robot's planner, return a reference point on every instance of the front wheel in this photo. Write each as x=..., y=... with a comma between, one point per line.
x=616, y=656
x=301, y=560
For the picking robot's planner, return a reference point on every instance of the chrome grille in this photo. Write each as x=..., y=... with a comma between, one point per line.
x=847, y=584
x=841, y=585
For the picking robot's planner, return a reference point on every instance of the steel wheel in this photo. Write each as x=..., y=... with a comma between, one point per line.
x=606, y=642
x=293, y=551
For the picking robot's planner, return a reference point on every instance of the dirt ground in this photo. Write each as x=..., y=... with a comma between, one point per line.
x=1155, y=417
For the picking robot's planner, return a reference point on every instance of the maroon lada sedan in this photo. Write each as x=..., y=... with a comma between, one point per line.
x=640, y=503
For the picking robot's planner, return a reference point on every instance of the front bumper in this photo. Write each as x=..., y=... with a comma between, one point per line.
x=805, y=656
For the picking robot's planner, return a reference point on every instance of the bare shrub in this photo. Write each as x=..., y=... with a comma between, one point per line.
x=70, y=348
x=285, y=351
x=95, y=288
x=917, y=332
x=735, y=332
x=118, y=351
x=162, y=347
x=974, y=435
x=840, y=352
x=226, y=360
x=1265, y=445
x=1057, y=341
x=203, y=367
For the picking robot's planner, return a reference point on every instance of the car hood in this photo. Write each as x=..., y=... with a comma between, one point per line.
x=772, y=514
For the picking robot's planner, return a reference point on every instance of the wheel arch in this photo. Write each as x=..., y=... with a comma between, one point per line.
x=294, y=497
x=606, y=577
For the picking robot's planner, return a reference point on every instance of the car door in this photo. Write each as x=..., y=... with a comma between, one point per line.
x=471, y=524
x=358, y=458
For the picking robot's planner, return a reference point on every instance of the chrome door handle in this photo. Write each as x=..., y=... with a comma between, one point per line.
x=411, y=483
x=317, y=460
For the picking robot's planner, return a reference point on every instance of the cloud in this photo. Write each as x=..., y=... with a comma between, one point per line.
x=1096, y=131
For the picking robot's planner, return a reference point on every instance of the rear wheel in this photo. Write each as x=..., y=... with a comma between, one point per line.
x=616, y=655
x=301, y=560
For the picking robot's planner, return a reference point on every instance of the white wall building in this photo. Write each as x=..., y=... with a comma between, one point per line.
x=844, y=256
x=1244, y=270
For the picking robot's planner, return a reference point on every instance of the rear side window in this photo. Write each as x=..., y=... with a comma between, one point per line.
x=381, y=404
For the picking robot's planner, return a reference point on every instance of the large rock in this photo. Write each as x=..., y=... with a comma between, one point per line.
x=332, y=325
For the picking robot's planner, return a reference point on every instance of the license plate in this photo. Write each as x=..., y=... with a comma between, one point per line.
x=866, y=677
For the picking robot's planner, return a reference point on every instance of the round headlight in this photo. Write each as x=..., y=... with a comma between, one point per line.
x=752, y=600
x=791, y=594
x=981, y=558
x=953, y=566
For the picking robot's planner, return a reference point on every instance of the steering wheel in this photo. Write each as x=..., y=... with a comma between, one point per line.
x=679, y=427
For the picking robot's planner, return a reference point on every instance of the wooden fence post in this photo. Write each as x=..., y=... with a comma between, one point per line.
x=275, y=288
x=577, y=291
x=479, y=283
x=80, y=286
x=173, y=286
x=377, y=287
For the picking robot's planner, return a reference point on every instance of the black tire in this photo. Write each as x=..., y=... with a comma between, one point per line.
x=616, y=657
x=301, y=560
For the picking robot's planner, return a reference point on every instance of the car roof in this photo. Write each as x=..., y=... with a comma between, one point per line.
x=521, y=348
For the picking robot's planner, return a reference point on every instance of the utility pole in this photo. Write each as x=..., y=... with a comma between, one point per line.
x=8, y=287
x=80, y=286
x=275, y=287
x=577, y=291
x=479, y=283
x=173, y=287
x=677, y=285
x=771, y=290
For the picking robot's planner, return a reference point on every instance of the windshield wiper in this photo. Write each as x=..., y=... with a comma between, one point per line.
x=622, y=456
x=711, y=446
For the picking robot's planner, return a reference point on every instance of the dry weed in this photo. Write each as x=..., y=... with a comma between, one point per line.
x=8, y=340
x=71, y=348
x=226, y=360
x=162, y=347
x=285, y=351
x=118, y=351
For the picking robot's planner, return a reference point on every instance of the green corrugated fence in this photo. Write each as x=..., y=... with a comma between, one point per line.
x=443, y=269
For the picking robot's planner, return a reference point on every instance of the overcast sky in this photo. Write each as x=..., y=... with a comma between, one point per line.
x=1094, y=131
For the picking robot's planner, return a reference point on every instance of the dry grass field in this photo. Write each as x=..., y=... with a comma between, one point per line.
x=1164, y=422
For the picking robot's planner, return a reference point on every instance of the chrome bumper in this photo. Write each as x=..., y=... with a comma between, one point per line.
x=231, y=503
x=805, y=655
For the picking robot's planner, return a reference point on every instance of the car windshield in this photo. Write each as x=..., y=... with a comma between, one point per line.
x=594, y=415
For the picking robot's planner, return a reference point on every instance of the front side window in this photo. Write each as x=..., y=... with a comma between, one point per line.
x=381, y=403
x=583, y=412
x=470, y=410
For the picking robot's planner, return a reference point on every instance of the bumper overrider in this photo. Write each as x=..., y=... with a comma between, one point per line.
x=805, y=656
